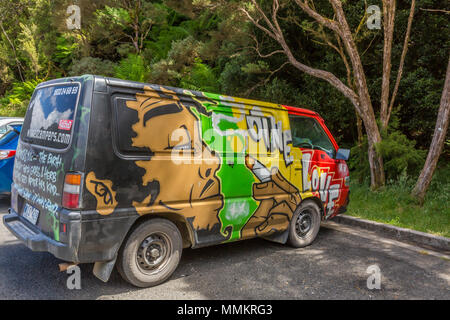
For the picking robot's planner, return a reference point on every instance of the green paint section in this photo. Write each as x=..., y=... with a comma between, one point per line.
x=236, y=179
x=53, y=222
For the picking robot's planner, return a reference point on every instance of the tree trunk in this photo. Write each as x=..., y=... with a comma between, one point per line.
x=377, y=176
x=437, y=143
x=388, y=28
x=400, y=67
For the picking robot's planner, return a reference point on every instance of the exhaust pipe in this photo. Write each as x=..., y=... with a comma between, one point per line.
x=66, y=265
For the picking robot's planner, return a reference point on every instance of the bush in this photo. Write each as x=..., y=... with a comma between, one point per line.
x=201, y=78
x=399, y=156
x=15, y=103
x=89, y=65
x=131, y=68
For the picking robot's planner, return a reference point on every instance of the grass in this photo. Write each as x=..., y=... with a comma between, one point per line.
x=394, y=205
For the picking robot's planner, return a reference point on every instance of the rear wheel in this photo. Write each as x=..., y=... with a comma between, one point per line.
x=305, y=225
x=151, y=253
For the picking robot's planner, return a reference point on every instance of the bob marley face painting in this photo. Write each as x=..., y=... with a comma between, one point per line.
x=165, y=125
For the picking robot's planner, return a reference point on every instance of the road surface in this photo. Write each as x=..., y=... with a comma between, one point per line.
x=334, y=267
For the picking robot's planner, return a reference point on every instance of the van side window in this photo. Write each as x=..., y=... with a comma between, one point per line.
x=308, y=133
x=125, y=118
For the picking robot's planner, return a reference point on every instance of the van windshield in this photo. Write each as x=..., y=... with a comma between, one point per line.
x=50, y=116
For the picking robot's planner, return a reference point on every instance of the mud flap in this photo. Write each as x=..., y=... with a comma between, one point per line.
x=279, y=237
x=103, y=269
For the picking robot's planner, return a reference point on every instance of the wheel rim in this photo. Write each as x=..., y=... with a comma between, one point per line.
x=153, y=253
x=304, y=223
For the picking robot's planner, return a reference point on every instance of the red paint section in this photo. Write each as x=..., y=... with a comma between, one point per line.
x=324, y=176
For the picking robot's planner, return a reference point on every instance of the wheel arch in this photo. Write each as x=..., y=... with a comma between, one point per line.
x=319, y=203
x=180, y=222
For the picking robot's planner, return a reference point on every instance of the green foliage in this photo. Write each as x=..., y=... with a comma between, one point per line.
x=205, y=45
x=15, y=103
x=421, y=88
x=201, y=78
x=233, y=80
x=394, y=205
x=90, y=65
x=28, y=43
x=260, y=67
x=280, y=91
x=180, y=60
x=65, y=49
x=358, y=164
x=131, y=68
x=158, y=49
x=400, y=155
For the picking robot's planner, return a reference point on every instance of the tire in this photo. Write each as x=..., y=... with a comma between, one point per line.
x=151, y=253
x=305, y=225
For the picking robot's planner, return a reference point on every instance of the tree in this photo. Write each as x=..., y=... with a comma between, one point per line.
x=389, y=17
x=360, y=97
x=356, y=89
x=132, y=19
x=437, y=143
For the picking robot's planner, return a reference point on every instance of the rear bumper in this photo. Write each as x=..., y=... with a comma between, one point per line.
x=86, y=240
x=35, y=240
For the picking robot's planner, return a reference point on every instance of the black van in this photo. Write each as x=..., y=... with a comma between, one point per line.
x=116, y=172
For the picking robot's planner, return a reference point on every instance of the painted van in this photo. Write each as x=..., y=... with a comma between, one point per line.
x=126, y=174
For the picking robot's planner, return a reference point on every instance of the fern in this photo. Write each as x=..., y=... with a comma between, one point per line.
x=132, y=68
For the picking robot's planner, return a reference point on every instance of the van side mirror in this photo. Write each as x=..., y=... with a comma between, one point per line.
x=343, y=154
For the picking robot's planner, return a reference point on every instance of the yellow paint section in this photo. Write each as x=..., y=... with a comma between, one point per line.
x=102, y=191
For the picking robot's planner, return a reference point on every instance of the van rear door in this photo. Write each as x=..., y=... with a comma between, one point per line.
x=51, y=144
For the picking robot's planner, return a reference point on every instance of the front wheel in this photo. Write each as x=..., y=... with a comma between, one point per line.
x=151, y=253
x=305, y=225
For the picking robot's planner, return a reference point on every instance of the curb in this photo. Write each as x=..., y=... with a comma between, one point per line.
x=397, y=233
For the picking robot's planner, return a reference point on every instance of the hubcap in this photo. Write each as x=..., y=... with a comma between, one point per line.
x=153, y=252
x=303, y=223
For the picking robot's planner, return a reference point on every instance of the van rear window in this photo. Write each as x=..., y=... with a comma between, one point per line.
x=50, y=116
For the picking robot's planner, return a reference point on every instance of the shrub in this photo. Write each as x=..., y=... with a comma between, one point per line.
x=15, y=103
x=399, y=156
x=201, y=78
x=131, y=68
x=89, y=65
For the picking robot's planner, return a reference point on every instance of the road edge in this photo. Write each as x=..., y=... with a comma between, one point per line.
x=397, y=233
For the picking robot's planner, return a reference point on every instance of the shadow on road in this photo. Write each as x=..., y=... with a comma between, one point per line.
x=333, y=268
x=4, y=203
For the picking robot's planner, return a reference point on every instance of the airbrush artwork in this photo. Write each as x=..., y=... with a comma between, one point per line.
x=219, y=162
x=98, y=157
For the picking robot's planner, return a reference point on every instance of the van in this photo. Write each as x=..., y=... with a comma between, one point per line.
x=127, y=174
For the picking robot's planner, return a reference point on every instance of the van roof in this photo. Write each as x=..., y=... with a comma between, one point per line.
x=231, y=100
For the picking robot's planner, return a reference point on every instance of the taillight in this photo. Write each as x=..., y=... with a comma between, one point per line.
x=71, y=192
x=6, y=154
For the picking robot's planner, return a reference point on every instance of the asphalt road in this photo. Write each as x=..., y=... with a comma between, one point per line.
x=334, y=267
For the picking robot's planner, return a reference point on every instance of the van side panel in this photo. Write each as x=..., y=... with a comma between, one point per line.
x=220, y=165
x=101, y=232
